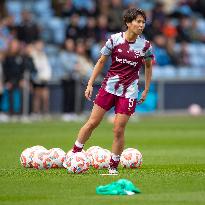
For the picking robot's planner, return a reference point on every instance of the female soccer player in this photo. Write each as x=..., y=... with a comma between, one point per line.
x=129, y=51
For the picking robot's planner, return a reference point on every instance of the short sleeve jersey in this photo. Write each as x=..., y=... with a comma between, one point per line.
x=127, y=59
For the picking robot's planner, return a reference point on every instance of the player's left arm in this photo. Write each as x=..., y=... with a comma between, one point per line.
x=148, y=77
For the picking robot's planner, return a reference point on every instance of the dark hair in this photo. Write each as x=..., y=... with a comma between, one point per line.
x=131, y=14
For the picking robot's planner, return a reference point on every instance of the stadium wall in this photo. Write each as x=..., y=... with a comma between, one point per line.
x=170, y=94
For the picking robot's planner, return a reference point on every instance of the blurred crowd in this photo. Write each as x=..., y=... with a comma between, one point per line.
x=45, y=41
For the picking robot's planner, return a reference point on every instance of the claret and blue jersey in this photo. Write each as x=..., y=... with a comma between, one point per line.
x=127, y=59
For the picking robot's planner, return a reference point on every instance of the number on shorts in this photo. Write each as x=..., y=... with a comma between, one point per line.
x=131, y=102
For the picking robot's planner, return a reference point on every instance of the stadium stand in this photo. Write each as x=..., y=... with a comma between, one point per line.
x=175, y=28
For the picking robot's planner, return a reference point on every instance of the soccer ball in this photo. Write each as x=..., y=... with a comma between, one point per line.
x=27, y=155
x=57, y=156
x=195, y=109
x=92, y=148
x=41, y=160
x=68, y=156
x=90, y=151
x=100, y=158
x=77, y=163
x=131, y=158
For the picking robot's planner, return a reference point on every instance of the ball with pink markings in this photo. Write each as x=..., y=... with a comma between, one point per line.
x=77, y=163
x=131, y=158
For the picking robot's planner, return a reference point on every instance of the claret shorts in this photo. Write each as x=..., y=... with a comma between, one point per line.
x=122, y=105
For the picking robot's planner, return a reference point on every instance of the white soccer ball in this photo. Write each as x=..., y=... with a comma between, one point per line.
x=90, y=151
x=26, y=158
x=131, y=158
x=41, y=160
x=57, y=157
x=27, y=155
x=77, y=163
x=100, y=158
x=68, y=156
x=195, y=109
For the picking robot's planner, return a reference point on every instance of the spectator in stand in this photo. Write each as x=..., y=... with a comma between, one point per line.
x=85, y=8
x=183, y=55
x=9, y=23
x=73, y=30
x=28, y=61
x=5, y=35
x=115, y=16
x=2, y=8
x=196, y=34
x=161, y=54
x=184, y=29
x=66, y=55
x=158, y=13
x=3, y=116
x=170, y=32
x=169, y=29
x=40, y=82
x=83, y=71
x=1, y=80
x=103, y=7
x=102, y=28
x=153, y=29
x=90, y=30
x=29, y=74
x=84, y=64
x=13, y=70
x=170, y=48
x=68, y=8
x=156, y=21
x=28, y=30
x=196, y=5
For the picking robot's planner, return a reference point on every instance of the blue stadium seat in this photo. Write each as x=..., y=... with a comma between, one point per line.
x=57, y=28
x=42, y=7
x=14, y=8
x=51, y=49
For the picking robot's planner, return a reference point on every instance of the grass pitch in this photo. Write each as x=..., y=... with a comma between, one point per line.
x=173, y=170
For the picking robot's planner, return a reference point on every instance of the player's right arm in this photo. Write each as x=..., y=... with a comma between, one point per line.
x=96, y=71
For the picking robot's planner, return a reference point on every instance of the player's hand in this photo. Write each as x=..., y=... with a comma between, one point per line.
x=88, y=92
x=143, y=97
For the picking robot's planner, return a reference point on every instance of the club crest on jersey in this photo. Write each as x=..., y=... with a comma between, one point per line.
x=139, y=53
